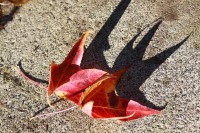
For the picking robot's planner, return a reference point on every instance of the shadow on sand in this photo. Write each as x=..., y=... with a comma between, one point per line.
x=5, y=19
x=140, y=71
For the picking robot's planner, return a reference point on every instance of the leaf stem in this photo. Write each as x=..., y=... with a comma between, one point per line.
x=53, y=113
x=30, y=80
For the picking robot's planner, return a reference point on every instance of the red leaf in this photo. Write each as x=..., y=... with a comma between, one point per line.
x=60, y=73
x=78, y=82
x=100, y=101
x=92, y=89
x=67, y=79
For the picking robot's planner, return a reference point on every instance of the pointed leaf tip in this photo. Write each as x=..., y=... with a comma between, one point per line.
x=87, y=108
x=60, y=73
x=138, y=110
x=77, y=51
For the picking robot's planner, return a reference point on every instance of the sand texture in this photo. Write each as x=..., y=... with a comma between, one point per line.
x=165, y=58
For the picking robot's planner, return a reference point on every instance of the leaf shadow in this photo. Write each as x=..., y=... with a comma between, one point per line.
x=5, y=19
x=141, y=70
x=46, y=106
x=93, y=56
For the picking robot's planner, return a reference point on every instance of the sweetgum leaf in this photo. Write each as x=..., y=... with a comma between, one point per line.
x=67, y=79
x=92, y=89
x=100, y=101
x=61, y=73
x=77, y=83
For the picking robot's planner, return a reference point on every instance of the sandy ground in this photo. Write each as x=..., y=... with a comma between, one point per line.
x=164, y=73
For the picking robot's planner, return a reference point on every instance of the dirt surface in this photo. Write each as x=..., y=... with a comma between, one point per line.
x=165, y=75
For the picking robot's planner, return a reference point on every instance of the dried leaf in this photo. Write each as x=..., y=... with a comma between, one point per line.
x=100, y=101
x=67, y=79
x=78, y=82
x=60, y=73
x=92, y=89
